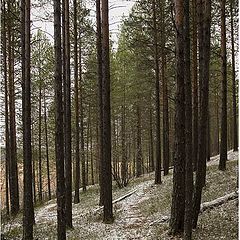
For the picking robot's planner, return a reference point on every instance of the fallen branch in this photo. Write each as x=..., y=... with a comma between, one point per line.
x=118, y=199
x=204, y=206
x=219, y=201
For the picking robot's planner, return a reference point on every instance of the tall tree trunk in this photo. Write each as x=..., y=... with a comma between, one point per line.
x=204, y=21
x=40, y=143
x=151, y=163
x=165, y=95
x=223, y=143
x=91, y=149
x=33, y=168
x=178, y=195
x=28, y=210
x=215, y=149
x=208, y=137
x=114, y=146
x=106, y=168
x=188, y=128
x=87, y=147
x=124, y=170
x=234, y=106
x=157, y=103
x=47, y=148
x=100, y=100
x=59, y=146
x=217, y=123
x=195, y=84
x=7, y=149
x=134, y=154
x=139, y=144
x=81, y=120
x=68, y=137
x=13, y=170
x=76, y=101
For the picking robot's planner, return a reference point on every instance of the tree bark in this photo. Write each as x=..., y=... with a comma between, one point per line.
x=87, y=147
x=47, y=148
x=188, y=128
x=100, y=100
x=106, y=167
x=139, y=144
x=28, y=210
x=33, y=169
x=40, y=142
x=151, y=160
x=13, y=170
x=124, y=170
x=178, y=195
x=165, y=95
x=235, y=129
x=7, y=145
x=157, y=103
x=68, y=137
x=195, y=85
x=223, y=143
x=91, y=149
x=204, y=21
x=59, y=146
x=76, y=101
x=81, y=121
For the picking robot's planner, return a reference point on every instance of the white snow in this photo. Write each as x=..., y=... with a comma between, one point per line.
x=231, y=157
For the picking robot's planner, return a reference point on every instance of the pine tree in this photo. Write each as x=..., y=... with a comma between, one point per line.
x=28, y=210
x=67, y=133
x=178, y=195
x=235, y=129
x=157, y=101
x=188, y=128
x=223, y=144
x=59, y=146
x=106, y=169
x=76, y=101
x=204, y=20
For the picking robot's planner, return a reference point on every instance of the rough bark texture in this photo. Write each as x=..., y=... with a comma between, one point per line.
x=204, y=19
x=76, y=101
x=40, y=143
x=223, y=143
x=195, y=84
x=13, y=171
x=139, y=144
x=106, y=167
x=157, y=103
x=59, y=146
x=99, y=59
x=81, y=121
x=68, y=143
x=165, y=94
x=124, y=170
x=91, y=150
x=235, y=129
x=188, y=128
x=46, y=144
x=7, y=154
x=178, y=195
x=33, y=170
x=151, y=153
x=28, y=210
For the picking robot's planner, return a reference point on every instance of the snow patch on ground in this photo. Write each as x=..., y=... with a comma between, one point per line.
x=231, y=157
x=129, y=221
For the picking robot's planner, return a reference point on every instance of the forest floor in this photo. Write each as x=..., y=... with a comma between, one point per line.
x=136, y=216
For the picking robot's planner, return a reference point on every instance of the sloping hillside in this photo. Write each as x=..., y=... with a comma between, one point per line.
x=142, y=214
